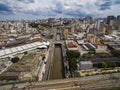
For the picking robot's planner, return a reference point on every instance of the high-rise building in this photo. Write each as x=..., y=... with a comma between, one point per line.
x=65, y=33
x=104, y=29
x=72, y=29
x=110, y=20
x=99, y=25
x=119, y=28
x=89, y=19
x=118, y=17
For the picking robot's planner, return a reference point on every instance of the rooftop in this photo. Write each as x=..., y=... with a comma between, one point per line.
x=19, y=49
x=85, y=62
x=10, y=74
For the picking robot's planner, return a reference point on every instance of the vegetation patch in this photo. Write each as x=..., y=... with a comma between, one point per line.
x=73, y=55
x=49, y=36
x=76, y=74
x=15, y=59
x=115, y=53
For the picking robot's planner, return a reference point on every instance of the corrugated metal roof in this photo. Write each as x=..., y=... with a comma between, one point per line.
x=17, y=49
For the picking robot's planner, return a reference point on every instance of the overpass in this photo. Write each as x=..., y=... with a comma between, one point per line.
x=96, y=82
x=59, y=41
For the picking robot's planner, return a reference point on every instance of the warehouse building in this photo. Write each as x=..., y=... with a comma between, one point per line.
x=8, y=52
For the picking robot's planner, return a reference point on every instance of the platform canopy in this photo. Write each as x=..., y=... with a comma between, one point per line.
x=20, y=49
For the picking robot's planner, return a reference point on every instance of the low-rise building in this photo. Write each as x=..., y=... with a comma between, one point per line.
x=88, y=46
x=71, y=45
x=114, y=46
x=11, y=76
x=86, y=65
x=22, y=48
x=101, y=48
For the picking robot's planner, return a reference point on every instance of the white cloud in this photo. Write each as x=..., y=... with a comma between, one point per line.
x=64, y=8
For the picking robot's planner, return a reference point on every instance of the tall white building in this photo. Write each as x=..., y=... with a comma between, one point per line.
x=99, y=24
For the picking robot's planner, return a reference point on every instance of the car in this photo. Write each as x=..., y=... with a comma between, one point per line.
x=45, y=62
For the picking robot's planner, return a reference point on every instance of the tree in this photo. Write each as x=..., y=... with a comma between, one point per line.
x=112, y=64
x=34, y=25
x=86, y=56
x=72, y=54
x=104, y=64
x=73, y=64
x=91, y=52
x=25, y=52
x=115, y=53
x=15, y=59
x=76, y=74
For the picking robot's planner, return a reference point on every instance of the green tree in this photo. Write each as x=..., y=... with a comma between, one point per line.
x=72, y=54
x=25, y=52
x=15, y=59
x=115, y=53
x=34, y=25
x=73, y=64
x=91, y=52
x=76, y=74
x=104, y=64
x=112, y=64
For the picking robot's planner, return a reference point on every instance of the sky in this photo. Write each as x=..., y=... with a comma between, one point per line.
x=40, y=9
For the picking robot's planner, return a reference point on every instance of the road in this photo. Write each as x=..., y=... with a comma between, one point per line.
x=47, y=67
x=49, y=59
x=83, y=83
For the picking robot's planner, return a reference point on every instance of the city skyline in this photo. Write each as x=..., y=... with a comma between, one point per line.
x=40, y=9
x=59, y=44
